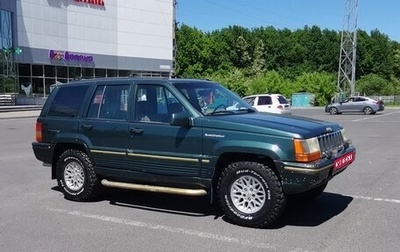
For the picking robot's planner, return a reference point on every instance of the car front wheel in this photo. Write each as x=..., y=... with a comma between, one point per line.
x=250, y=194
x=76, y=176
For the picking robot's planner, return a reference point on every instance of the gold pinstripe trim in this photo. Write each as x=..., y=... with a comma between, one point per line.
x=164, y=157
x=306, y=170
x=194, y=160
x=108, y=152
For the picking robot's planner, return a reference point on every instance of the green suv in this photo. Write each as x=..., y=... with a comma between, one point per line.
x=188, y=137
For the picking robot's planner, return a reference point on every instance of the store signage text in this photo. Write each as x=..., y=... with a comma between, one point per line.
x=68, y=56
x=95, y=2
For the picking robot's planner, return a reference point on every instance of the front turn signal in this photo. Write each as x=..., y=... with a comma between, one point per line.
x=306, y=150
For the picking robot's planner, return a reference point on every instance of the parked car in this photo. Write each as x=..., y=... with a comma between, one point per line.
x=355, y=104
x=272, y=103
x=178, y=136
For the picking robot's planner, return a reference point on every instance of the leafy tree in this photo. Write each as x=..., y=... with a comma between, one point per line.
x=323, y=85
x=372, y=84
x=259, y=58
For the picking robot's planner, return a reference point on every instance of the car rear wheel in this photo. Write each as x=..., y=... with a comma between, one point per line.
x=76, y=176
x=333, y=111
x=367, y=110
x=250, y=194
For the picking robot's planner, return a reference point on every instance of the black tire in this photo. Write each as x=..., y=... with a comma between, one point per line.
x=333, y=111
x=367, y=110
x=250, y=194
x=76, y=176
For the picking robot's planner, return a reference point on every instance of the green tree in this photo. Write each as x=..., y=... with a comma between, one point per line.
x=259, y=59
x=373, y=84
x=323, y=85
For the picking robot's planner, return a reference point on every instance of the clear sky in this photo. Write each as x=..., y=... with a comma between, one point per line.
x=208, y=15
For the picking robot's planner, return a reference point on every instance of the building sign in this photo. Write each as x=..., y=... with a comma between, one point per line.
x=69, y=56
x=95, y=2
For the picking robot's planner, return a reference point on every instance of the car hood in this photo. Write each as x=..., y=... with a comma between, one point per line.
x=274, y=124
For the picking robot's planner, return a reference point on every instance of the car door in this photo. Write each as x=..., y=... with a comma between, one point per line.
x=264, y=103
x=359, y=103
x=105, y=125
x=347, y=105
x=157, y=148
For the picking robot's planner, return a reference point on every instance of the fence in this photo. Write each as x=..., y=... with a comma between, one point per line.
x=7, y=99
x=392, y=99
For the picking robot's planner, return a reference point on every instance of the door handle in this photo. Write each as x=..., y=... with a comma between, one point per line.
x=136, y=131
x=86, y=126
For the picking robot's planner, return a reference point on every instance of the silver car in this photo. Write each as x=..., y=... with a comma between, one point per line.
x=354, y=104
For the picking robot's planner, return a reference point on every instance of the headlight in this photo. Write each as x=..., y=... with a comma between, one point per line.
x=306, y=150
x=344, y=135
x=346, y=140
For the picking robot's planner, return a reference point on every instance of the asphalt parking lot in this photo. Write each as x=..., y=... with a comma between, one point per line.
x=357, y=212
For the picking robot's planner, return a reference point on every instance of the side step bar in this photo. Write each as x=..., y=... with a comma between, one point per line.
x=158, y=189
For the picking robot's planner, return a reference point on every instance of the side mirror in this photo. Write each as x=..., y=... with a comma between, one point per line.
x=180, y=119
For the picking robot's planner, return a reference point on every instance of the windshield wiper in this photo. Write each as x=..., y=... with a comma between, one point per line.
x=248, y=110
x=221, y=112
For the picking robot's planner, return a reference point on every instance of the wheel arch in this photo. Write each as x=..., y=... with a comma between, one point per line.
x=59, y=149
x=229, y=157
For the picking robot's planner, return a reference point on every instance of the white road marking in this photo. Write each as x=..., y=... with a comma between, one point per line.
x=191, y=232
x=375, y=116
x=376, y=199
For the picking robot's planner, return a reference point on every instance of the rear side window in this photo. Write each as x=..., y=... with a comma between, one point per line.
x=264, y=100
x=282, y=100
x=110, y=102
x=68, y=101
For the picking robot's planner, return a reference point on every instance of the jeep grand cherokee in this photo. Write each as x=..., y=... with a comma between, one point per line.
x=189, y=137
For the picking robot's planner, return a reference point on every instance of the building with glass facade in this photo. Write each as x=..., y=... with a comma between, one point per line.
x=45, y=42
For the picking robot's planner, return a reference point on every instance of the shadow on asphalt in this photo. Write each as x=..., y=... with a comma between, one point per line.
x=305, y=213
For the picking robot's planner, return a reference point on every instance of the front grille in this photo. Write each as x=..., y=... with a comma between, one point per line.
x=330, y=142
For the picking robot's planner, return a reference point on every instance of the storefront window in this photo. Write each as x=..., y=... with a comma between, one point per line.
x=100, y=73
x=48, y=83
x=49, y=71
x=87, y=73
x=124, y=73
x=75, y=73
x=37, y=70
x=111, y=73
x=61, y=72
x=24, y=70
x=37, y=84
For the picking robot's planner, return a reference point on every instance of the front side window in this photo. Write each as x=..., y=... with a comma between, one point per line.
x=154, y=103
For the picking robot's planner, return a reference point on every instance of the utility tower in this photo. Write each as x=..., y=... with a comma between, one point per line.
x=348, y=50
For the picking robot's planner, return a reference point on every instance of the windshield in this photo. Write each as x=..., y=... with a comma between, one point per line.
x=211, y=98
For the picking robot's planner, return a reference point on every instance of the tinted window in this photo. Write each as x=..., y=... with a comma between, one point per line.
x=109, y=102
x=282, y=100
x=68, y=101
x=264, y=100
x=155, y=104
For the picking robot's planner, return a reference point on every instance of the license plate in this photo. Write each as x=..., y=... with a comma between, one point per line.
x=343, y=161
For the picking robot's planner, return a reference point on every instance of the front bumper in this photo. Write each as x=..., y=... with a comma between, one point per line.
x=300, y=177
